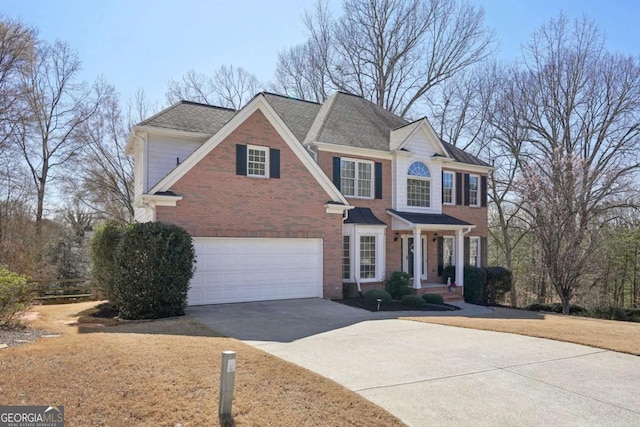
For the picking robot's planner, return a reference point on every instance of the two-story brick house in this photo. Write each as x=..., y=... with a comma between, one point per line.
x=290, y=199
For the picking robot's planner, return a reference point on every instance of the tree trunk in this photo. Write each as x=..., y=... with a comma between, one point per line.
x=565, y=304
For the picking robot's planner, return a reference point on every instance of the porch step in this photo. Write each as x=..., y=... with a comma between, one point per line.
x=439, y=289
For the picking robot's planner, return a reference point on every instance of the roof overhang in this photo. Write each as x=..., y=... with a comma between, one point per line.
x=430, y=222
x=153, y=200
x=348, y=150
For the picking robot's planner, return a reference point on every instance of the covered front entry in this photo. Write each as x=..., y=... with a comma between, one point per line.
x=255, y=269
x=419, y=224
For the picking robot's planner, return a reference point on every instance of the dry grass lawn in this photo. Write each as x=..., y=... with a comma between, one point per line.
x=166, y=373
x=607, y=334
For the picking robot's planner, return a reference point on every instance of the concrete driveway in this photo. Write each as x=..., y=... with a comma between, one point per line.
x=429, y=374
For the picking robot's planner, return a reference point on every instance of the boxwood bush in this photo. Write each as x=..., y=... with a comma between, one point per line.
x=371, y=297
x=398, y=284
x=474, y=282
x=499, y=282
x=155, y=264
x=103, y=248
x=413, y=301
x=15, y=296
x=433, y=299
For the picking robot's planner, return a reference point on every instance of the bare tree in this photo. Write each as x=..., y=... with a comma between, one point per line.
x=228, y=87
x=576, y=139
x=391, y=52
x=103, y=182
x=58, y=105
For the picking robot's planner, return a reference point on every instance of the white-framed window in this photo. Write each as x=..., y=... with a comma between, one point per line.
x=419, y=185
x=447, y=250
x=346, y=258
x=363, y=253
x=474, y=251
x=448, y=185
x=257, y=161
x=368, y=257
x=356, y=178
x=474, y=185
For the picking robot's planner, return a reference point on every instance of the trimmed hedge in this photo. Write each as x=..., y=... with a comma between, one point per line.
x=103, y=248
x=474, y=282
x=413, y=301
x=557, y=308
x=398, y=284
x=15, y=296
x=499, y=282
x=156, y=263
x=433, y=299
x=371, y=297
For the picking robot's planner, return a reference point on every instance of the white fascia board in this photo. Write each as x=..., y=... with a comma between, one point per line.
x=258, y=103
x=352, y=151
x=467, y=167
x=159, y=200
x=136, y=136
x=332, y=208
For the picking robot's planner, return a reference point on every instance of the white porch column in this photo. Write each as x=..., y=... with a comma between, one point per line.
x=460, y=259
x=417, y=258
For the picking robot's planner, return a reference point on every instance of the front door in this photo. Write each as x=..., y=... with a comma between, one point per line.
x=407, y=250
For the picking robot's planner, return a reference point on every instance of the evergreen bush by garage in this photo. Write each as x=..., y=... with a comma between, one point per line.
x=103, y=247
x=156, y=263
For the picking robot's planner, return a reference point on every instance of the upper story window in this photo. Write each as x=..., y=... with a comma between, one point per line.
x=257, y=161
x=356, y=178
x=474, y=185
x=419, y=185
x=448, y=197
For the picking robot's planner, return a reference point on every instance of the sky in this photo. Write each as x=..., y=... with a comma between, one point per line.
x=143, y=44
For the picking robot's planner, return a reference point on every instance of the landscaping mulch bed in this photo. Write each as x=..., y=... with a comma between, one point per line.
x=395, y=305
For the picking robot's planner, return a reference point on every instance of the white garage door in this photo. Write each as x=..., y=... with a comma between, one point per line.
x=240, y=270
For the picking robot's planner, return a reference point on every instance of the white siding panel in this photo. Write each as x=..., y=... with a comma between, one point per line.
x=162, y=153
x=240, y=270
x=423, y=151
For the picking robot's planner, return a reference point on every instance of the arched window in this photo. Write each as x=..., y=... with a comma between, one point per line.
x=419, y=185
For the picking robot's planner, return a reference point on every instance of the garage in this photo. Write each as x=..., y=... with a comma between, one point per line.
x=255, y=269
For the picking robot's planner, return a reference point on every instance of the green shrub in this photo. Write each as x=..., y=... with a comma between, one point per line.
x=347, y=290
x=474, y=283
x=449, y=272
x=413, y=301
x=371, y=297
x=433, y=299
x=398, y=284
x=103, y=247
x=15, y=296
x=499, y=282
x=556, y=307
x=156, y=263
x=614, y=313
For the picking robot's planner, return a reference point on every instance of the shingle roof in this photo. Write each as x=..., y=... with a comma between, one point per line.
x=297, y=114
x=191, y=116
x=347, y=119
x=362, y=216
x=343, y=119
x=433, y=219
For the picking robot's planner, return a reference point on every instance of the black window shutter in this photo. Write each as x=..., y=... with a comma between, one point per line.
x=440, y=255
x=483, y=191
x=484, y=252
x=466, y=189
x=442, y=187
x=274, y=163
x=458, y=188
x=336, y=172
x=378, y=180
x=241, y=159
x=467, y=251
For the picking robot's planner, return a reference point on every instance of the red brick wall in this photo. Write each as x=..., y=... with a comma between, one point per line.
x=218, y=203
x=378, y=206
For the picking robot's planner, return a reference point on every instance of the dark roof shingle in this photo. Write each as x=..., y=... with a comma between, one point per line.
x=192, y=117
x=432, y=219
x=297, y=114
x=362, y=216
